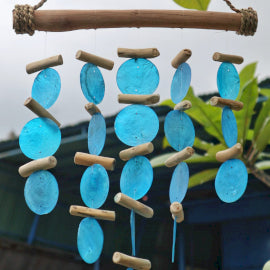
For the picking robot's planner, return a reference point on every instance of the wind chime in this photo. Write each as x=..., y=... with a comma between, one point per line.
x=136, y=125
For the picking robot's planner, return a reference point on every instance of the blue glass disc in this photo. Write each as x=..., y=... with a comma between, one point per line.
x=231, y=180
x=41, y=192
x=90, y=240
x=92, y=83
x=96, y=134
x=179, y=130
x=229, y=127
x=46, y=87
x=137, y=76
x=40, y=138
x=136, y=124
x=181, y=82
x=94, y=186
x=228, y=81
x=137, y=177
x=179, y=183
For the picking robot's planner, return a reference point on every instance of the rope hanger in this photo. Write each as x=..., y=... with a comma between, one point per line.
x=26, y=19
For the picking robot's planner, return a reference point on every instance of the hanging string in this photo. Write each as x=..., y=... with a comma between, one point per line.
x=249, y=20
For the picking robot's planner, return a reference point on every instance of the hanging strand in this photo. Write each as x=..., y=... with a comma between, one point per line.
x=23, y=15
x=249, y=20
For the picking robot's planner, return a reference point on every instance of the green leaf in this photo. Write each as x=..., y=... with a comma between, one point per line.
x=165, y=143
x=263, y=165
x=261, y=119
x=263, y=137
x=202, y=177
x=167, y=102
x=265, y=92
x=205, y=114
x=193, y=4
x=246, y=75
x=202, y=145
x=159, y=161
x=249, y=97
x=216, y=148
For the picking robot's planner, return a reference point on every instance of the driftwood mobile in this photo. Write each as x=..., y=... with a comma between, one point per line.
x=136, y=125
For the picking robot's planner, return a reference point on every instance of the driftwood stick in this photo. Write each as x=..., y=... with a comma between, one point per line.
x=179, y=157
x=229, y=153
x=181, y=58
x=88, y=160
x=130, y=261
x=91, y=108
x=138, y=53
x=138, y=207
x=222, y=102
x=94, y=59
x=177, y=211
x=138, y=99
x=235, y=59
x=82, y=211
x=53, y=61
x=68, y=20
x=37, y=165
x=139, y=150
x=183, y=105
x=36, y=108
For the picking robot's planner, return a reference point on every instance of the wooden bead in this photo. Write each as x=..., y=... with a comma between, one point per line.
x=235, y=59
x=222, y=102
x=229, y=153
x=138, y=53
x=139, y=150
x=177, y=211
x=179, y=157
x=181, y=58
x=183, y=105
x=138, y=99
x=91, y=108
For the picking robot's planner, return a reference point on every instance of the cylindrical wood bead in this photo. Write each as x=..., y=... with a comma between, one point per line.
x=138, y=99
x=177, y=211
x=181, y=57
x=138, y=53
x=37, y=165
x=235, y=59
x=138, y=207
x=222, y=102
x=139, y=150
x=229, y=153
x=179, y=157
x=91, y=108
x=183, y=105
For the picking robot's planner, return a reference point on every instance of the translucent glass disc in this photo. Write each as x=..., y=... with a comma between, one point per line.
x=92, y=83
x=179, y=130
x=181, y=82
x=137, y=76
x=41, y=192
x=90, y=240
x=94, y=186
x=46, y=87
x=96, y=134
x=136, y=124
x=231, y=180
x=179, y=183
x=137, y=177
x=40, y=138
x=229, y=127
x=228, y=81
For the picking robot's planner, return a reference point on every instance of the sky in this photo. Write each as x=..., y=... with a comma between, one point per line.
x=19, y=50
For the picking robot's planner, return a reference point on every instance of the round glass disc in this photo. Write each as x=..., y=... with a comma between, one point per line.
x=231, y=180
x=137, y=76
x=92, y=83
x=136, y=124
x=94, y=186
x=179, y=130
x=46, y=87
x=40, y=138
x=229, y=127
x=96, y=134
x=137, y=177
x=90, y=240
x=41, y=192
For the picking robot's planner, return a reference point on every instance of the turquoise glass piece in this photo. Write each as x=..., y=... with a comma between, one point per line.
x=231, y=180
x=90, y=240
x=40, y=138
x=46, y=87
x=229, y=127
x=181, y=82
x=174, y=239
x=96, y=134
x=228, y=81
x=179, y=183
x=92, y=83
x=132, y=229
x=94, y=186
x=136, y=124
x=137, y=76
x=179, y=130
x=137, y=177
x=41, y=192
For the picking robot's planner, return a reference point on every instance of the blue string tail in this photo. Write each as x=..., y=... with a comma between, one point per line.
x=174, y=239
x=132, y=228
